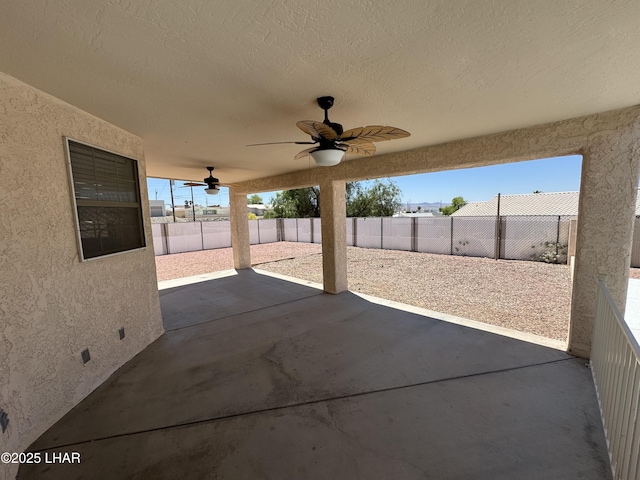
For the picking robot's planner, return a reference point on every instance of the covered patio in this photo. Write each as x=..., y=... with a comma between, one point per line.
x=263, y=377
x=248, y=376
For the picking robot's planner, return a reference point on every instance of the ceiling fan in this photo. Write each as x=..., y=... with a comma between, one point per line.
x=332, y=142
x=212, y=182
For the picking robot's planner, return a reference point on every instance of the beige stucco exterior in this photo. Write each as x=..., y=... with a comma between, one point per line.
x=334, y=236
x=52, y=305
x=238, y=215
x=609, y=186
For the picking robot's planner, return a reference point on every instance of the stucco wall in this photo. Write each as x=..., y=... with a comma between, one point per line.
x=52, y=305
x=606, y=219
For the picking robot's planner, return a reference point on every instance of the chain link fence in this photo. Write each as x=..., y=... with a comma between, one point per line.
x=535, y=238
x=398, y=234
x=433, y=235
x=473, y=236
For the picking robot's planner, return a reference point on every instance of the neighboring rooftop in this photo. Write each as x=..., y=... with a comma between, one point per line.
x=552, y=203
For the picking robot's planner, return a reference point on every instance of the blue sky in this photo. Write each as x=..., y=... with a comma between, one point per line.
x=559, y=174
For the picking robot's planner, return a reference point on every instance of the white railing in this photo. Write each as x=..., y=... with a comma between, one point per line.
x=615, y=365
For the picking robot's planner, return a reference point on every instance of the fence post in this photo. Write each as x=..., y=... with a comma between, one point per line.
x=451, y=236
x=354, y=230
x=164, y=232
x=201, y=237
x=381, y=233
x=414, y=234
x=258, y=231
x=311, y=230
x=557, y=236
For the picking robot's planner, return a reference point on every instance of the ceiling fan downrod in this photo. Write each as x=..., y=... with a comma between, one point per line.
x=325, y=103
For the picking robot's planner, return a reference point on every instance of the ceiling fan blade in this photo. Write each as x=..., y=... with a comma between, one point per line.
x=354, y=141
x=279, y=143
x=304, y=153
x=374, y=133
x=360, y=148
x=317, y=129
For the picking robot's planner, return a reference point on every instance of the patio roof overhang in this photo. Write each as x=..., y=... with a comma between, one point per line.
x=197, y=82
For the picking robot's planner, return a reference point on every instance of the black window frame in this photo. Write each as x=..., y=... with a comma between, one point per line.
x=106, y=197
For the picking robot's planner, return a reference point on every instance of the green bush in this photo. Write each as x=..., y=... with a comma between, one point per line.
x=554, y=252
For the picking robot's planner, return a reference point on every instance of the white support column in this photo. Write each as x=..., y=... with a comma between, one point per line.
x=239, y=229
x=334, y=236
x=609, y=185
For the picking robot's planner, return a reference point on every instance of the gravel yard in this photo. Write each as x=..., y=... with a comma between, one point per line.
x=532, y=297
x=180, y=265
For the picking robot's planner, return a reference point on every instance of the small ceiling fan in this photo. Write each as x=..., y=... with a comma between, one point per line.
x=332, y=142
x=212, y=182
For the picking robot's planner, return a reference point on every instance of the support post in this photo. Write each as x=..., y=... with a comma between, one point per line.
x=334, y=236
x=608, y=190
x=239, y=229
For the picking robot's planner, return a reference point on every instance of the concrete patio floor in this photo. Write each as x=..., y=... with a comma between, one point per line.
x=261, y=378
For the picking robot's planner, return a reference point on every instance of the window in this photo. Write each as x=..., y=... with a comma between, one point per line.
x=107, y=198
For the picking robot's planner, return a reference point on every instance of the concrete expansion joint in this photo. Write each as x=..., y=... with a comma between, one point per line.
x=244, y=312
x=300, y=404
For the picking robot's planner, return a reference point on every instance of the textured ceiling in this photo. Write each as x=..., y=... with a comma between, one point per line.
x=198, y=80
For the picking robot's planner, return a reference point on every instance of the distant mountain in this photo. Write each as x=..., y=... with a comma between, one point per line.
x=424, y=206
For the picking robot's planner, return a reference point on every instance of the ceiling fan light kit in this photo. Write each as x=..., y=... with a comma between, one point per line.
x=328, y=157
x=212, y=183
x=333, y=142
